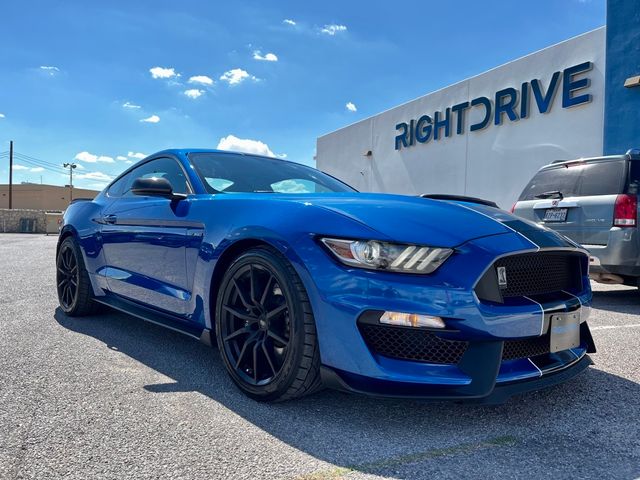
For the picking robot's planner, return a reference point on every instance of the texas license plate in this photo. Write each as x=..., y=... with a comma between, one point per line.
x=565, y=331
x=555, y=215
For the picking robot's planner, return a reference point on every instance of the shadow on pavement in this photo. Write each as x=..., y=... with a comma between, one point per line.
x=563, y=426
x=622, y=301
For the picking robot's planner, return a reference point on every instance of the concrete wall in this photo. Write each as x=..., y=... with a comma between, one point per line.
x=41, y=197
x=495, y=162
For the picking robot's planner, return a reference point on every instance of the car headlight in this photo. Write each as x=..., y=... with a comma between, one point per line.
x=393, y=257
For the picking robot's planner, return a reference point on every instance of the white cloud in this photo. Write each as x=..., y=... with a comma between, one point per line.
x=91, y=158
x=333, y=29
x=193, y=93
x=202, y=80
x=50, y=70
x=269, y=57
x=19, y=167
x=236, y=75
x=161, y=72
x=99, y=176
x=36, y=169
x=351, y=107
x=288, y=21
x=137, y=156
x=2, y=115
x=120, y=157
x=151, y=119
x=128, y=162
x=246, y=145
x=130, y=105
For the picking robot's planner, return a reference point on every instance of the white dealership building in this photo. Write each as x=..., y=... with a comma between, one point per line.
x=487, y=135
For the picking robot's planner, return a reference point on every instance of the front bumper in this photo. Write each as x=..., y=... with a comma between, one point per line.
x=485, y=390
x=340, y=296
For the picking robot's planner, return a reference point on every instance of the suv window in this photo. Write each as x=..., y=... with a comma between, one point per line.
x=160, y=167
x=578, y=180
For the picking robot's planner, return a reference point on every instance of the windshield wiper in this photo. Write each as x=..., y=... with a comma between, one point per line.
x=551, y=194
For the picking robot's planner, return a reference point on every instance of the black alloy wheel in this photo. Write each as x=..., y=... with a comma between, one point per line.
x=265, y=329
x=68, y=277
x=72, y=281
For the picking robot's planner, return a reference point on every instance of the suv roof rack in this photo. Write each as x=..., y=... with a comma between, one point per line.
x=459, y=198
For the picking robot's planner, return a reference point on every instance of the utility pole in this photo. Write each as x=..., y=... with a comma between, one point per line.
x=70, y=166
x=10, y=174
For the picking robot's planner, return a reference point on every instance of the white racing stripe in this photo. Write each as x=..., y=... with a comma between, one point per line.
x=537, y=368
x=541, y=314
x=501, y=223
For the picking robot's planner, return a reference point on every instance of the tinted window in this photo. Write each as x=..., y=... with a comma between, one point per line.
x=634, y=177
x=231, y=173
x=579, y=179
x=117, y=187
x=159, y=168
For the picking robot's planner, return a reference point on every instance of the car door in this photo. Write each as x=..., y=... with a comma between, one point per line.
x=144, y=240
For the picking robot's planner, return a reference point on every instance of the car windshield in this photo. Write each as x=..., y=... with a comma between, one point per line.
x=233, y=173
x=578, y=180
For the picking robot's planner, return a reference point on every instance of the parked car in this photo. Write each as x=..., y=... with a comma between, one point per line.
x=303, y=282
x=594, y=202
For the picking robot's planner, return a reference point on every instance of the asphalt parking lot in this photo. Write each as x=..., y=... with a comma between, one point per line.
x=110, y=396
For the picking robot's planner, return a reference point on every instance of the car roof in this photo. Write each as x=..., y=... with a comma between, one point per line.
x=186, y=151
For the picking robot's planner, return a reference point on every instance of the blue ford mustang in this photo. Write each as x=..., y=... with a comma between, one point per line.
x=303, y=282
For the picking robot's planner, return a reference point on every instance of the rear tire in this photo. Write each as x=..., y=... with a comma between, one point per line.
x=75, y=294
x=265, y=328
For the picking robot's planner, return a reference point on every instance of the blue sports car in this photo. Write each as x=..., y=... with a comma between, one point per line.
x=305, y=283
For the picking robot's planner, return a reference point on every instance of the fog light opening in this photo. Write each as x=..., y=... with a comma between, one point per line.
x=411, y=320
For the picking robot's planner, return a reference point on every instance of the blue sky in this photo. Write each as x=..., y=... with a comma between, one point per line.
x=102, y=82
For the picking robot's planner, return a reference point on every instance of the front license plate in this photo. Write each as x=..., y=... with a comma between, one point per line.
x=555, y=215
x=565, y=331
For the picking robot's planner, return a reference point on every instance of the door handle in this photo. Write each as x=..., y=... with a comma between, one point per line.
x=111, y=219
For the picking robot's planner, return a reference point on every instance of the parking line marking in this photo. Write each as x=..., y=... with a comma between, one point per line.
x=609, y=327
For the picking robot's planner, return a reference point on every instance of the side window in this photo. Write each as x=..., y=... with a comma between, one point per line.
x=162, y=168
x=119, y=186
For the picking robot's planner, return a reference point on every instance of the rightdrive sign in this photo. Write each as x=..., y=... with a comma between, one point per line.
x=509, y=104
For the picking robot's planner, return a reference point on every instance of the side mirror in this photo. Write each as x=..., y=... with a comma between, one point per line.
x=155, y=187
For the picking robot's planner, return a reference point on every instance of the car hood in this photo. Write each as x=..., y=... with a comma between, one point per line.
x=412, y=219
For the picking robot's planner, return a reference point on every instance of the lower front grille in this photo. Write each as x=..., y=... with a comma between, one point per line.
x=425, y=346
x=526, y=347
x=412, y=344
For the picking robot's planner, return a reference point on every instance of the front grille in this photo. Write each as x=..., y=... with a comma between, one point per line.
x=412, y=344
x=525, y=348
x=425, y=346
x=530, y=274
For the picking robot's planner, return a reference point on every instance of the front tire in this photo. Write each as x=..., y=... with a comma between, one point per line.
x=75, y=294
x=265, y=328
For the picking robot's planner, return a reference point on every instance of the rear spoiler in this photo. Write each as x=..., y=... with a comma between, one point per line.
x=459, y=198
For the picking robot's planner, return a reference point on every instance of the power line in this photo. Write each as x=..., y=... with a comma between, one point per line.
x=37, y=160
x=37, y=165
x=46, y=166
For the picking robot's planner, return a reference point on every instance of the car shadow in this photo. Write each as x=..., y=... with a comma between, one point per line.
x=623, y=300
x=345, y=429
